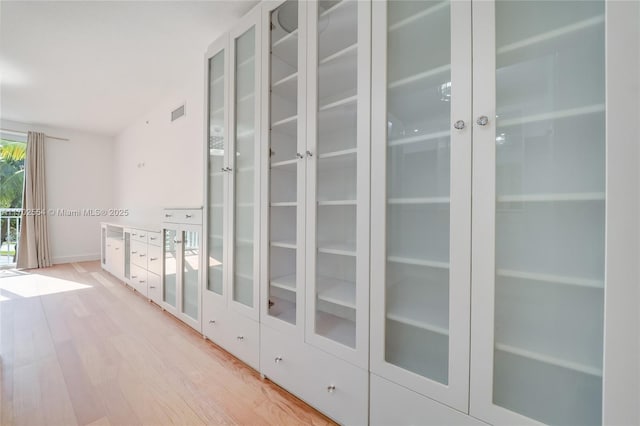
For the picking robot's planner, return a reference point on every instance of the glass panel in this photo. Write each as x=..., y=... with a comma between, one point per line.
x=190, y=272
x=550, y=210
x=244, y=167
x=170, y=267
x=127, y=254
x=418, y=187
x=216, y=175
x=283, y=169
x=336, y=195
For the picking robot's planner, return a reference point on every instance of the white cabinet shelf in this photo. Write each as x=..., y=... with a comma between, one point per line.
x=284, y=244
x=338, y=329
x=534, y=198
x=581, y=368
x=416, y=19
x=287, y=282
x=336, y=291
x=419, y=138
x=419, y=200
x=343, y=53
x=554, y=115
x=555, y=279
x=337, y=248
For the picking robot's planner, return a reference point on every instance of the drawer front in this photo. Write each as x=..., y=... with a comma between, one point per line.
x=154, y=259
x=154, y=238
x=214, y=325
x=242, y=337
x=337, y=388
x=188, y=216
x=139, y=279
x=154, y=287
x=138, y=254
x=139, y=235
x=283, y=360
x=397, y=405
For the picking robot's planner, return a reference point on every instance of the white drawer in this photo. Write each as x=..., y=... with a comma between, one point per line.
x=138, y=254
x=154, y=287
x=283, y=360
x=189, y=216
x=139, y=279
x=242, y=338
x=337, y=388
x=139, y=235
x=154, y=238
x=392, y=404
x=154, y=259
x=214, y=326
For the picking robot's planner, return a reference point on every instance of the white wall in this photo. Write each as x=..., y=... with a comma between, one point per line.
x=78, y=176
x=158, y=163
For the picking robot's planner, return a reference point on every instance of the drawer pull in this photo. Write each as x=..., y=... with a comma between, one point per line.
x=142, y=255
x=278, y=359
x=240, y=338
x=141, y=235
x=212, y=321
x=167, y=215
x=331, y=388
x=153, y=258
x=188, y=216
x=133, y=234
x=134, y=252
x=134, y=277
x=117, y=248
x=152, y=286
x=142, y=281
x=152, y=238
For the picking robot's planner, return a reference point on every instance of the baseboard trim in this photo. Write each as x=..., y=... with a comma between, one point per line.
x=77, y=258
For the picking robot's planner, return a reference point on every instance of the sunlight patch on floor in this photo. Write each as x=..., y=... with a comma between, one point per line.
x=33, y=285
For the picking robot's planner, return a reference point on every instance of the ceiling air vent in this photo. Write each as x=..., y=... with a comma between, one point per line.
x=177, y=113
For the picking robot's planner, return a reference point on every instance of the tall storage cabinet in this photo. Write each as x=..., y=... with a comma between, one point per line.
x=232, y=190
x=514, y=288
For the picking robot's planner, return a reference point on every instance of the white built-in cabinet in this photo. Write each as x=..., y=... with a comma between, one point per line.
x=496, y=142
x=232, y=191
x=425, y=212
x=182, y=264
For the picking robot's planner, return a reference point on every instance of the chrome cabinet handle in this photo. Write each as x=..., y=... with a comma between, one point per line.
x=483, y=120
x=229, y=169
x=117, y=248
x=142, y=281
x=223, y=169
x=134, y=252
x=240, y=338
x=152, y=238
x=142, y=235
x=459, y=125
x=134, y=277
x=151, y=259
x=133, y=234
x=309, y=154
x=167, y=215
x=212, y=321
x=188, y=216
x=331, y=388
x=278, y=359
x=142, y=255
x=299, y=155
x=152, y=286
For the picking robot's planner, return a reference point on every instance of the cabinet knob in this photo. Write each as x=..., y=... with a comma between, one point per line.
x=142, y=235
x=142, y=281
x=151, y=259
x=142, y=255
x=134, y=252
x=299, y=155
x=188, y=216
x=483, y=120
x=331, y=388
x=278, y=359
x=152, y=286
x=212, y=321
x=229, y=169
x=152, y=238
x=459, y=125
x=134, y=276
x=117, y=248
x=309, y=154
x=223, y=169
x=240, y=338
x=133, y=234
x=167, y=215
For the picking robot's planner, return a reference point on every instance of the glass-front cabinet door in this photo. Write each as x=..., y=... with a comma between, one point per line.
x=216, y=187
x=244, y=164
x=421, y=195
x=337, y=154
x=170, y=267
x=284, y=27
x=539, y=211
x=190, y=270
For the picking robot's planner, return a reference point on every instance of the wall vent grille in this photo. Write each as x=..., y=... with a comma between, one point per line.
x=177, y=113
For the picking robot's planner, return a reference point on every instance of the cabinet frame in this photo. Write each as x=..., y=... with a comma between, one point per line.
x=456, y=392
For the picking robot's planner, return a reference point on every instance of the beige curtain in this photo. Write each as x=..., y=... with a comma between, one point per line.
x=33, y=246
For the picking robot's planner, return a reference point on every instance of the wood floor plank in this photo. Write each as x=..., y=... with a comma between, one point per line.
x=96, y=353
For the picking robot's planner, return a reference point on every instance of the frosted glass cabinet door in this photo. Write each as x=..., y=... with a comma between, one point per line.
x=338, y=177
x=191, y=273
x=170, y=267
x=217, y=172
x=285, y=165
x=541, y=158
x=421, y=176
x=245, y=45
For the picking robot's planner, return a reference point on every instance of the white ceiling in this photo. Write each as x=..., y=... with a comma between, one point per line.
x=99, y=65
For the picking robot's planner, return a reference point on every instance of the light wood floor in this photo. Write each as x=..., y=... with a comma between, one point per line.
x=78, y=347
